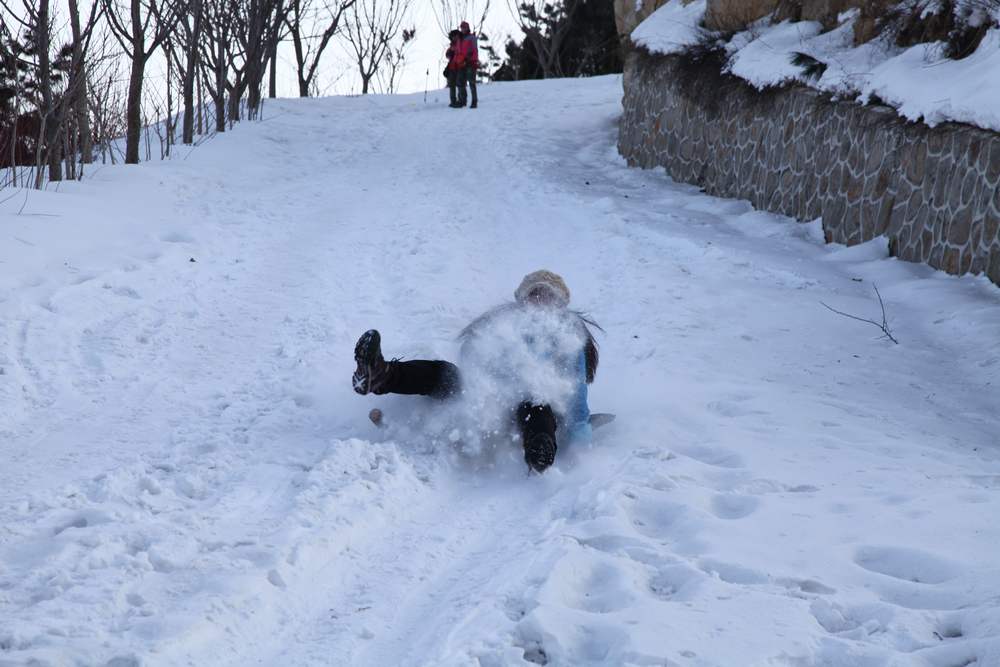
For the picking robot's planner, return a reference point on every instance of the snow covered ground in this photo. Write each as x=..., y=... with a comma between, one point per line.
x=919, y=81
x=188, y=478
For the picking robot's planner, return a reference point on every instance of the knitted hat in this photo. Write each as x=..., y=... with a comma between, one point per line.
x=465, y=26
x=546, y=280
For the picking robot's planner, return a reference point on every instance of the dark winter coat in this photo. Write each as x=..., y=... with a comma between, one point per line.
x=454, y=51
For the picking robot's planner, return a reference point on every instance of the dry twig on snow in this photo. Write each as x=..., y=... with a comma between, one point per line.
x=884, y=325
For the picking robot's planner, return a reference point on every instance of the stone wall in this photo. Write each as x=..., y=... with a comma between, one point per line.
x=935, y=193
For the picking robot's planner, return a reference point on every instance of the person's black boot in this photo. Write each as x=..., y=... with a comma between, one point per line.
x=373, y=371
x=539, y=451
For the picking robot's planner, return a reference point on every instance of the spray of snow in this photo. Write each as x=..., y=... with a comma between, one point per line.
x=520, y=354
x=509, y=356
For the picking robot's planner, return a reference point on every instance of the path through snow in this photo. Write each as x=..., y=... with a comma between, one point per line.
x=189, y=479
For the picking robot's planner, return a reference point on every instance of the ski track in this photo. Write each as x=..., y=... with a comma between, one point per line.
x=189, y=479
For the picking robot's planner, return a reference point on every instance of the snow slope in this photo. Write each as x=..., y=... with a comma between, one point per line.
x=189, y=479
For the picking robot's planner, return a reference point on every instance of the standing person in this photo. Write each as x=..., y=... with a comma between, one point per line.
x=451, y=72
x=469, y=65
x=539, y=354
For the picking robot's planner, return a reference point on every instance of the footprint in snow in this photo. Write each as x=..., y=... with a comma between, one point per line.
x=676, y=583
x=601, y=588
x=732, y=506
x=733, y=573
x=667, y=521
x=906, y=564
x=176, y=237
x=712, y=456
x=734, y=408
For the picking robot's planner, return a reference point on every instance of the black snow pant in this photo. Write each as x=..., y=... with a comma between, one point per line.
x=452, y=76
x=441, y=379
x=467, y=76
x=438, y=379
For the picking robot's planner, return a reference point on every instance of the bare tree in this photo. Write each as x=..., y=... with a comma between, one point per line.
x=107, y=104
x=388, y=74
x=371, y=27
x=546, y=25
x=78, y=80
x=257, y=26
x=183, y=50
x=303, y=16
x=152, y=19
x=450, y=13
x=215, y=54
x=43, y=35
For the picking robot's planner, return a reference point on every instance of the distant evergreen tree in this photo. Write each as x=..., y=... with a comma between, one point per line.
x=21, y=93
x=563, y=38
x=8, y=73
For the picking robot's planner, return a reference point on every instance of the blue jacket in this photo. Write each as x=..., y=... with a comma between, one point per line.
x=576, y=423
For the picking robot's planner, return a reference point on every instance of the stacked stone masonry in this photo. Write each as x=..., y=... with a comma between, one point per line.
x=934, y=192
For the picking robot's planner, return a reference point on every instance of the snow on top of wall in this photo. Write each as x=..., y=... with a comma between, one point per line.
x=919, y=81
x=672, y=27
x=767, y=61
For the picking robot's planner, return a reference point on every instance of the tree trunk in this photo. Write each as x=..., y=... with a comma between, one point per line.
x=187, y=131
x=235, y=95
x=79, y=84
x=201, y=102
x=272, y=84
x=255, y=77
x=51, y=138
x=220, y=97
x=39, y=144
x=133, y=110
x=300, y=59
x=169, y=124
x=15, y=109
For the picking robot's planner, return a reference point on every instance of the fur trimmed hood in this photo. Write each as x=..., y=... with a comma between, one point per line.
x=543, y=280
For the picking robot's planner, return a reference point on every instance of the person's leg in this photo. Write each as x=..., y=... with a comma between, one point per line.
x=538, y=432
x=439, y=379
x=470, y=74
x=375, y=375
x=460, y=81
x=452, y=89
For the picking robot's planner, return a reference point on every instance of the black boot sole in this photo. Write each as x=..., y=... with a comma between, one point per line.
x=367, y=354
x=540, y=452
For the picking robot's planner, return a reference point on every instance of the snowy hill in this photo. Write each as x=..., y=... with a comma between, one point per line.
x=189, y=479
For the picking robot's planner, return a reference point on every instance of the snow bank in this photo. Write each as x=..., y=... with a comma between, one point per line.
x=919, y=81
x=672, y=27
